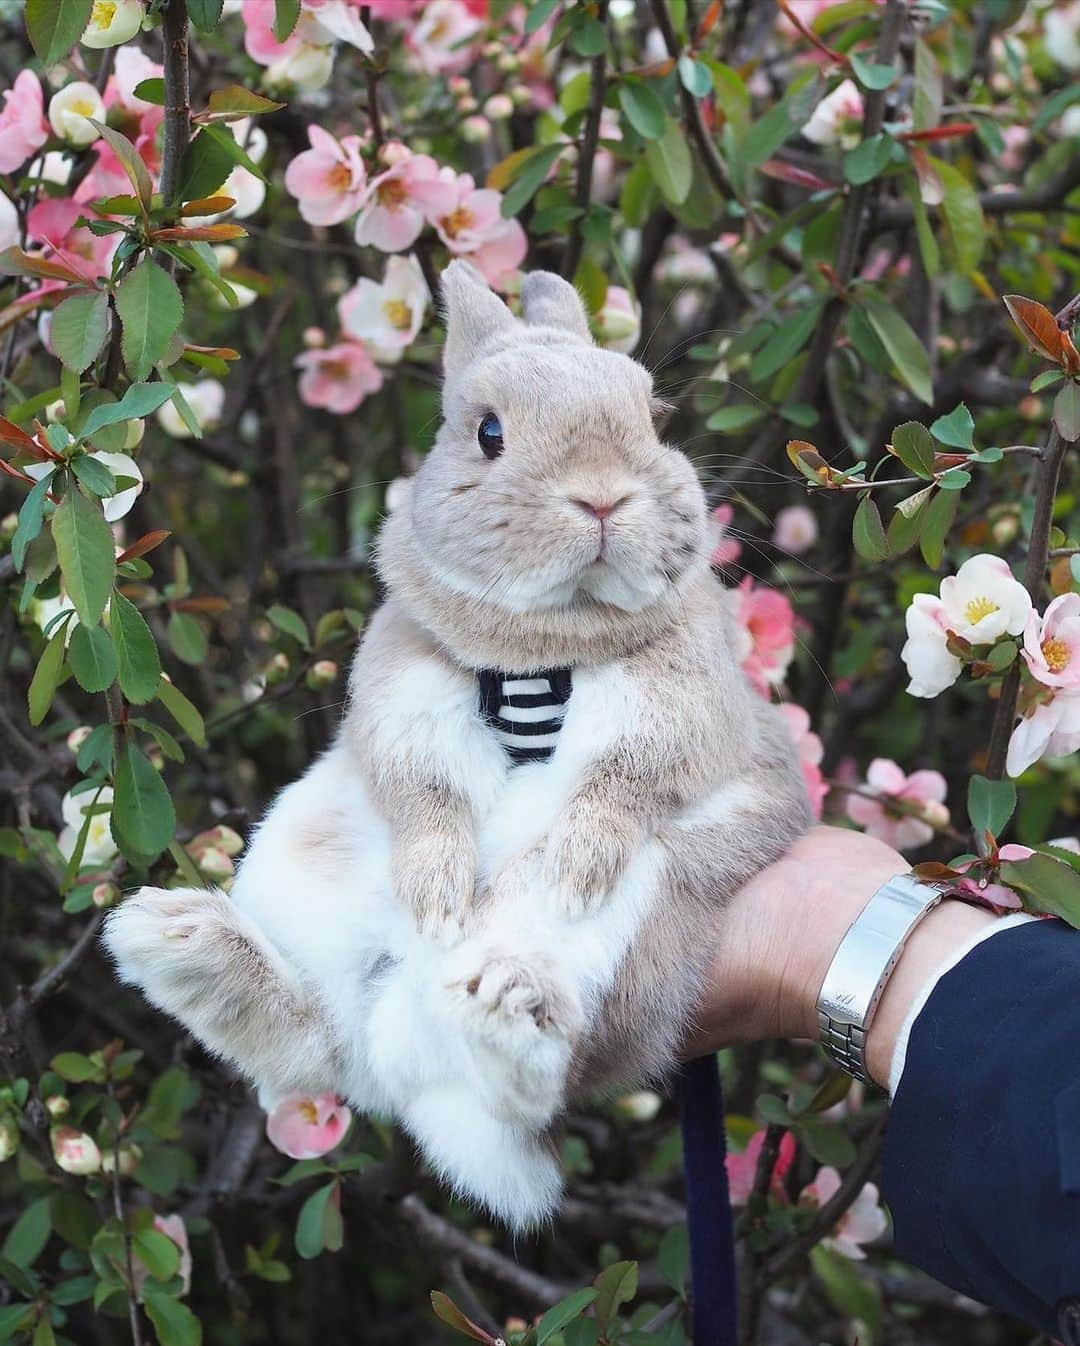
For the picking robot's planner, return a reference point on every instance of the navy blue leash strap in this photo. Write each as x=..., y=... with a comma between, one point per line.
x=708, y=1204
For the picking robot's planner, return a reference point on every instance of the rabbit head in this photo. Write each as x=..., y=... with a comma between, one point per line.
x=548, y=493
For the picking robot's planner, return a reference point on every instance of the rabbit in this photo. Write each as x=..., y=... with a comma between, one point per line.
x=430, y=928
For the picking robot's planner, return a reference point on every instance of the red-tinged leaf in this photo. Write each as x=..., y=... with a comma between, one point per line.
x=18, y=439
x=655, y=69
x=1070, y=354
x=41, y=446
x=210, y=605
x=452, y=1316
x=949, y=132
x=207, y=205
x=708, y=22
x=145, y=544
x=931, y=870
x=16, y=261
x=1038, y=326
x=14, y=472
x=27, y=303
x=117, y=205
x=798, y=177
x=222, y=352
x=931, y=188
x=943, y=461
x=199, y=233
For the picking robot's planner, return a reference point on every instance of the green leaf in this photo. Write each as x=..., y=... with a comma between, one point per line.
x=1054, y=106
x=15, y=1318
x=205, y=14
x=1047, y=884
x=539, y=13
x=94, y=475
x=1046, y=379
x=152, y=90
x=139, y=400
x=187, y=639
x=183, y=711
x=963, y=214
x=695, y=76
x=588, y=37
x=318, y=1226
x=670, y=163
x=773, y=1109
x=1067, y=411
x=77, y=1069
x=31, y=516
x=871, y=75
x=205, y=166
x=868, y=159
x=786, y=342
x=907, y=521
x=151, y=311
x=157, y=1252
x=130, y=160
x=224, y=139
x=904, y=348
x=92, y=658
x=285, y=619
x=914, y=446
x=142, y=816
x=673, y=1257
x=29, y=1234
x=286, y=14
x=835, y=1089
x=828, y=1144
x=165, y=741
x=173, y=1321
x=79, y=328
x=955, y=479
x=557, y=1317
x=852, y=1294
x=730, y=420
x=644, y=108
x=990, y=803
x=616, y=1285
x=137, y=660
x=55, y=26
x=529, y=178
x=928, y=94
x=956, y=429
x=936, y=524
x=868, y=532
x=765, y=136
x=84, y=545
x=236, y=101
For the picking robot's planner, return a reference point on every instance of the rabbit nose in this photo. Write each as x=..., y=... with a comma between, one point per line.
x=598, y=511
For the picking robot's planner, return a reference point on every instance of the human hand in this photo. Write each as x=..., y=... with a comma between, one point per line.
x=780, y=933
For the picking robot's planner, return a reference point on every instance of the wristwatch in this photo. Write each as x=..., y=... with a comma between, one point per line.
x=862, y=965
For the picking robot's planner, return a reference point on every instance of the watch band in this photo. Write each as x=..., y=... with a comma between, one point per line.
x=862, y=964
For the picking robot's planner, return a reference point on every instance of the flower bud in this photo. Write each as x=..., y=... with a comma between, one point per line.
x=935, y=813
x=641, y=1106
x=498, y=107
x=321, y=674
x=57, y=1106
x=9, y=1137
x=313, y=337
x=1030, y=407
x=508, y=63
x=105, y=895
x=8, y=525
x=277, y=669
x=475, y=130
x=125, y=1163
x=492, y=50
x=1005, y=528
x=224, y=838
x=520, y=95
x=70, y=109
x=75, y=1151
x=55, y=410
x=215, y=864
x=467, y=105
x=459, y=86
x=78, y=737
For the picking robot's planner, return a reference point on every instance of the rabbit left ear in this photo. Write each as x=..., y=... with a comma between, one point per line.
x=474, y=314
x=549, y=301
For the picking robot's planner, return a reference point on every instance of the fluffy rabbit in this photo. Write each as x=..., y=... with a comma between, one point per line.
x=425, y=925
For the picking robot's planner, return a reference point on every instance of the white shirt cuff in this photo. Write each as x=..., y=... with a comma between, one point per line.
x=899, y=1056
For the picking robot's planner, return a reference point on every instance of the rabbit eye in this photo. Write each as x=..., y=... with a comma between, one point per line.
x=490, y=435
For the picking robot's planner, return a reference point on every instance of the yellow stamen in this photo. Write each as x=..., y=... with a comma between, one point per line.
x=103, y=13
x=979, y=608
x=307, y=1111
x=1056, y=654
x=391, y=193
x=398, y=314
x=339, y=177
x=456, y=221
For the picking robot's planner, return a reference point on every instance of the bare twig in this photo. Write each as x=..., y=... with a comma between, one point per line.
x=177, y=95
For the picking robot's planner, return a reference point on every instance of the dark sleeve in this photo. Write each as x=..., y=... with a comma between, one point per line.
x=982, y=1157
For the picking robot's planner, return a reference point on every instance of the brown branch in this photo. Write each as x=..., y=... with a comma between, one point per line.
x=1050, y=196
x=587, y=152
x=177, y=95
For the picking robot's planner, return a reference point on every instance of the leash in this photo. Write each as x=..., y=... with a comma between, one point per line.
x=708, y=1204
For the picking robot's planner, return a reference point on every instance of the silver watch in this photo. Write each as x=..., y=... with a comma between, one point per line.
x=861, y=967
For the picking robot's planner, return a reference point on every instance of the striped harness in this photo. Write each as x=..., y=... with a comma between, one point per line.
x=525, y=710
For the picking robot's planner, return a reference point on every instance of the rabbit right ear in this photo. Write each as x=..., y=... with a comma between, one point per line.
x=474, y=314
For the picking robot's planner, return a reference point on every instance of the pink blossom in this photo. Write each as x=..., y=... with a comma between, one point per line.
x=173, y=1227
x=742, y=1168
x=862, y=1222
x=131, y=67
x=838, y=117
x=259, y=40
x=795, y=530
x=398, y=202
x=810, y=750
x=924, y=789
x=338, y=378
x=23, y=128
x=75, y=1151
x=1051, y=729
x=726, y=551
x=52, y=223
x=329, y=179
x=442, y=40
x=765, y=642
x=305, y=1126
x=472, y=225
x=1052, y=643
x=985, y=890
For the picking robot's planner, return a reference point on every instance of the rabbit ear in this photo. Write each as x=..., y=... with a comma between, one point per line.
x=549, y=301
x=474, y=314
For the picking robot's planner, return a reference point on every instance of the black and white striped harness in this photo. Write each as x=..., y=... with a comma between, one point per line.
x=525, y=710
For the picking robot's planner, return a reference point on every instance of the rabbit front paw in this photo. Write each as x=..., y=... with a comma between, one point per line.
x=435, y=879
x=583, y=864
